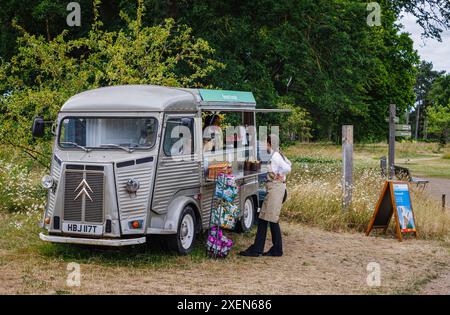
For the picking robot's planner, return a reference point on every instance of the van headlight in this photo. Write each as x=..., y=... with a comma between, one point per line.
x=47, y=182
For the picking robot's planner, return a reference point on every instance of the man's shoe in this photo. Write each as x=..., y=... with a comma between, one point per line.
x=269, y=253
x=273, y=253
x=250, y=252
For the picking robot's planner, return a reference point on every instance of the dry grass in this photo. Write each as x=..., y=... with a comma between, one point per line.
x=315, y=197
x=369, y=153
x=432, y=222
x=315, y=192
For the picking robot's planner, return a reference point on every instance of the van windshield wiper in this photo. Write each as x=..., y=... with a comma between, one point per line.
x=129, y=150
x=77, y=145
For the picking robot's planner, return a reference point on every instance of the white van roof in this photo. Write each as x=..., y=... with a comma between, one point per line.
x=136, y=98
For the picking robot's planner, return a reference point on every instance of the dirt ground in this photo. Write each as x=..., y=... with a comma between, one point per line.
x=439, y=286
x=315, y=262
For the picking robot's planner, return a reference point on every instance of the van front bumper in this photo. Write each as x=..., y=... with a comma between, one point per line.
x=92, y=241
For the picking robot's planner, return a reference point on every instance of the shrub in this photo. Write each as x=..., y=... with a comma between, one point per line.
x=18, y=190
x=44, y=74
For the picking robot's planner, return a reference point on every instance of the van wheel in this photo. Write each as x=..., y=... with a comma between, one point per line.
x=184, y=240
x=248, y=217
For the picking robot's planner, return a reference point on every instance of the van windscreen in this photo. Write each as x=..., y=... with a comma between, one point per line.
x=109, y=132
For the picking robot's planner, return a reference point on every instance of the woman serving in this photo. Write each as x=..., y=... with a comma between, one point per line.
x=278, y=167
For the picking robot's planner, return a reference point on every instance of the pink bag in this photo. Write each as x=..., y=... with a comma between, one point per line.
x=218, y=245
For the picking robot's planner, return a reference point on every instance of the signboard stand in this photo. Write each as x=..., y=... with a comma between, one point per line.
x=395, y=199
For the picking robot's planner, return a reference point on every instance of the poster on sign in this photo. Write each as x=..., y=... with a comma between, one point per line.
x=404, y=209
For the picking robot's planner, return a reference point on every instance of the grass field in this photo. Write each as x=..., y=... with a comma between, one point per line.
x=423, y=158
x=316, y=190
x=323, y=244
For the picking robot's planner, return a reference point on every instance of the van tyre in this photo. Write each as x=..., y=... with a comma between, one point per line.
x=183, y=242
x=247, y=220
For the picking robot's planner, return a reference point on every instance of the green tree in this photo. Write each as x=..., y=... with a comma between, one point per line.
x=440, y=90
x=424, y=81
x=296, y=125
x=439, y=121
x=439, y=108
x=319, y=53
x=44, y=74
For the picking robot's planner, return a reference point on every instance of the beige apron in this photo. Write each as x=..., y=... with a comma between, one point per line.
x=271, y=207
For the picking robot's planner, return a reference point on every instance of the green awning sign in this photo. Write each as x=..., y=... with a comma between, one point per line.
x=226, y=96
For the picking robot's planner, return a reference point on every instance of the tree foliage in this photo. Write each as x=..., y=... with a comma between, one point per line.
x=44, y=74
x=439, y=121
x=424, y=82
x=297, y=125
x=319, y=54
x=440, y=90
x=439, y=109
x=432, y=15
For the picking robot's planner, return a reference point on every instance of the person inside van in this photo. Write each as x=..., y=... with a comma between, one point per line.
x=144, y=139
x=210, y=129
x=278, y=167
x=208, y=145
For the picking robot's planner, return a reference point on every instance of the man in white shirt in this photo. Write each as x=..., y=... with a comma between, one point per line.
x=279, y=166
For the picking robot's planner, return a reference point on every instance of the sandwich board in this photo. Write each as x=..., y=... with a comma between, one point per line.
x=395, y=199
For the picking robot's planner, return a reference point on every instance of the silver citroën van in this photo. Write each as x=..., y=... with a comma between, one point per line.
x=115, y=178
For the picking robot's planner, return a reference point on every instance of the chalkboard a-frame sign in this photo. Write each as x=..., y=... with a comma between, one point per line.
x=395, y=199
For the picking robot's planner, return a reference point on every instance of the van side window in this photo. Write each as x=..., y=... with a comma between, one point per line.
x=179, y=136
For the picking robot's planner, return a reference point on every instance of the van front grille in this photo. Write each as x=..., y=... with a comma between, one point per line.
x=94, y=208
x=83, y=196
x=72, y=206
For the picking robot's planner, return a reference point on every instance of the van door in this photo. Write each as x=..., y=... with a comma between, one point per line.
x=178, y=169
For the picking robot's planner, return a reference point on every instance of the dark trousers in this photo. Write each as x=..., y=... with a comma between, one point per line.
x=260, y=239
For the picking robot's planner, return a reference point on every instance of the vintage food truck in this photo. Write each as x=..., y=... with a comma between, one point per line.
x=123, y=167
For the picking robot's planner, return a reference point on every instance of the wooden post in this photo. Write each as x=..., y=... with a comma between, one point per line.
x=347, y=165
x=383, y=166
x=391, y=141
x=416, y=132
x=443, y=202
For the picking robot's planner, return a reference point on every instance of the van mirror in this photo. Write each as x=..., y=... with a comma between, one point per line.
x=38, y=127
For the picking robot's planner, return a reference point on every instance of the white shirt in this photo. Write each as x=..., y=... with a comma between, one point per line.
x=279, y=166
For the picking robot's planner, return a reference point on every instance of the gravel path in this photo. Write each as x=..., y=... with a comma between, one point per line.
x=438, y=186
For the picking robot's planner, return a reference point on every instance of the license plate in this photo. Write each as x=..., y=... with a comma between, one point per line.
x=81, y=228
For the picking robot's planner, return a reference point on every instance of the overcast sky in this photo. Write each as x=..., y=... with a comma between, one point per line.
x=429, y=49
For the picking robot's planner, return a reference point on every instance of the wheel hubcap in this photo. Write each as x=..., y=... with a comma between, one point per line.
x=248, y=213
x=187, y=231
